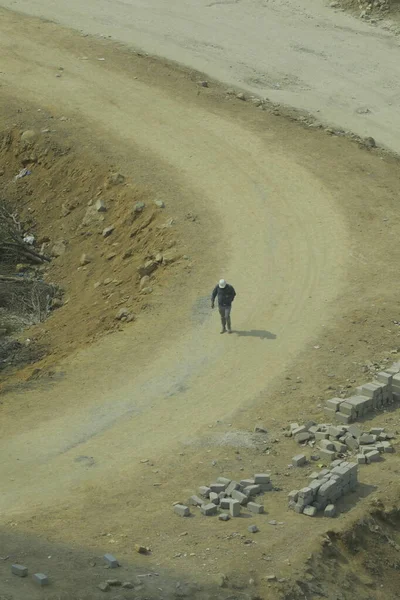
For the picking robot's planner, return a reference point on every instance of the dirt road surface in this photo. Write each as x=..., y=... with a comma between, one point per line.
x=126, y=432
x=296, y=52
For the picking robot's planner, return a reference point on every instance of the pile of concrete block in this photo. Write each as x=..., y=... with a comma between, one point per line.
x=324, y=489
x=331, y=441
x=228, y=495
x=376, y=395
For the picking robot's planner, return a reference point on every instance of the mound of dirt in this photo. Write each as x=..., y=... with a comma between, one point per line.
x=110, y=241
x=368, y=9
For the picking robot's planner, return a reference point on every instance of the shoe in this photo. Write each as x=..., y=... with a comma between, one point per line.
x=223, y=331
x=229, y=330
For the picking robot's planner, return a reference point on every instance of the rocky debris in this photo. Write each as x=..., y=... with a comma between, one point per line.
x=203, y=84
x=56, y=303
x=253, y=529
x=124, y=314
x=138, y=208
x=104, y=587
x=107, y=231
x=59, y=248
x=159, y=203
x=127, y=585
x=115, y=179
x=182, y=511
x=170, y=256
x=100, y=206
x=148, y=268
x=114, y=582
x=28, y=138
x=92, y=215
x=373, y=396
x=324, y=489
x=142, y=549
x=241, y=96
x=85, y=260
x=260, y=429
x=144, y=282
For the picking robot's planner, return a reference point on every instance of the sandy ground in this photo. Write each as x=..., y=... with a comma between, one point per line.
x=296, y=52
x=140, y=419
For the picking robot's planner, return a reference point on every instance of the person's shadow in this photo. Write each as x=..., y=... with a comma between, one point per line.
x=260, y=333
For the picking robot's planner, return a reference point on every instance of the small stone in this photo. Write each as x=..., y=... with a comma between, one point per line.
x=108, y=231
x=240, y=96
x=222, y=580
x=310, y=511
x=100, y=205
x=260, y=429
x=140, y=549
x=116, y=179
x=271, y=578
x=224, y=517
x=104, y=587
x=159, y=203
x=204, y=84
x=370, y=142
x=114, y=582
x=59, y=248
x=123, y=313
x=330, y=511
x=41, y=579
x=85, y=260
x=182, y=510
x=253, y=529
x=127, y=585
x=139, y=207
x=28, y=137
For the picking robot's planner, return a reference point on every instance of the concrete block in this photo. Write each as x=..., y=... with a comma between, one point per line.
x=222, y=495
x=333, y=403
x=371, y=390
x=224, y=517
x=224, y=480
x=314, y=475
x=242, y=498
x=373, y=456
x=255, y=508
x=112, y=561
x=367, y=438
x=347, y=408
x=365, y=449
x=299, y=460
x=315, y=485
x=310, y=511
x=217, y=487
x=298, y=430
x=382, y=436
x=214, y=498
x=314, y=429
x=327, y=455
x=209, y=509
x=342, y=418
x=262, y=478
x=326, y=445
x=377, y=430
x=300, y=438
x=385, y=378
x=225, y=503
x=323, y=473
x=329, y=412
x=293, y=495
x=196, y=501
x=310, y=424
x=266, y=487
x=351, y=442
x=299, y=508
x=19, y=570
x=293, y=426
x=204, y=490
x=330, y=511
x=339, y=447
x=355, y=431
x=387, y=447
x=41, y=579
x=234, y=508
x=252, y=490
x=321, y=435
x=361, y=459
x=334, y=431
x=396, y=382
x=245, y=482
x=234, y=485
x=305, y=492
x=179, y=509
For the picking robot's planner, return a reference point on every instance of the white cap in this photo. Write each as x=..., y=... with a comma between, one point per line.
x=222, y=283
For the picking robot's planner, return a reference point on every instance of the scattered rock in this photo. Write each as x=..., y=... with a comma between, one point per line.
x=128, y=585
x=259, y=429
x=204, y=84
x=123, y=313
x=59, y=248
x=144, y=282
x=104, y=587
x=170, y=257
x=139, y=207
x=222, y=580
x=108, y=230
x=28, y=138
x=159, y=203
x=114, y=582
x=116, y=179
x=85, y=260
x=147, y=268
x=91, y=216
x=100, y=205
x=128, y=253
x=370, y=142
x=56, y=303
x=141, y=549
x=271, y=578
x=253, y=529
x=111, y=256
x=241, y=96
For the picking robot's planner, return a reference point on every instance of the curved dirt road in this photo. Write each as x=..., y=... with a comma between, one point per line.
x=296, y=52
x=273, y=217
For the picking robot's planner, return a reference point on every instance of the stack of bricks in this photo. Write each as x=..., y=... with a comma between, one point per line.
x=229, y=495
x=370, y=396
x=324, y=489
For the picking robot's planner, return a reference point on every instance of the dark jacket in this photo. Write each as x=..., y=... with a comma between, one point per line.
x=225, y=295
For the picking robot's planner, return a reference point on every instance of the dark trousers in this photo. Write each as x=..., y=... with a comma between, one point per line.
x=225, y=313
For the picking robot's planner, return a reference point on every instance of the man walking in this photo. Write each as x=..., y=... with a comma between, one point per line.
x=226, y=294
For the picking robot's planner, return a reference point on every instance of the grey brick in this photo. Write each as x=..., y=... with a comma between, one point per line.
x=335, y=431
x=41, y=579
x=179, y=509
x=330, y=511
x=333, y=403
x=112, y=561
x=225, y=503
x=310, y=424
x=377, y=430
x=299, y=460
x=224, y=480
x=204, y=490
x=209, y=509
x=19, y=570
x=217, y=487
x=321, y=435
x=196, y=501
x=339, y=447
x=242, y=498
x=234, y=485
x=310, y=511
x=387, y=447
x=315, y=485
x=293, y=495
x=367, y=438
x=293, y=426
x=262, y=478
x=385, y=378
x=234, y=508
x=298, y=430
x=330, y=413
x=373, y=456
x=298, y=508
x=347, y=408
x=326, y=445
x=305, y=492
x=214, y=498
x=245, y=482
x=355, y=431
x=266, y=487
x=343, y=418
x=252, y=490
x=300, y=438
x=255, y=508
x=371, y=390
x=222, y=495
x=351, y=442
x=314, y=475
x=327, y=455
x=323, y=473
x=361, y=459
x=224, y=517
